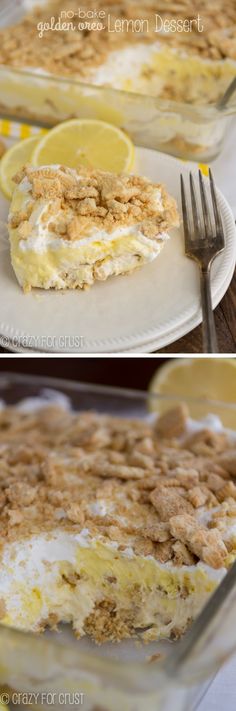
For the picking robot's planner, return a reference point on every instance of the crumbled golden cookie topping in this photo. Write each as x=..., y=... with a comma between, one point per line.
x=125, y=480
x=84, y=199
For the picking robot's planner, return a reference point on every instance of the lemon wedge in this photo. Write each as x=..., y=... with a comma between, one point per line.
x=13, y=160
x=200, y=378
x=94, y=144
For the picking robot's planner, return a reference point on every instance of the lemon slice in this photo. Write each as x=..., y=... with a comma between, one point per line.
x=201, y=378
x=94, y=144
x=13, y=160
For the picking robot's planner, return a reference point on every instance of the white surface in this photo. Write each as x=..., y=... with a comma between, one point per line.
x=222, y=693
x=159, y=303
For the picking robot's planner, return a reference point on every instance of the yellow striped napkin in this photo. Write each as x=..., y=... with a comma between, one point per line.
x=14, y=129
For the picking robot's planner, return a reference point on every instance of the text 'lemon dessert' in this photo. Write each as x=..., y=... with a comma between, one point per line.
x=70, y=228
x=119, y=526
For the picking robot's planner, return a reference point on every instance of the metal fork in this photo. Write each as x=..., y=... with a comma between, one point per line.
x=202, y=243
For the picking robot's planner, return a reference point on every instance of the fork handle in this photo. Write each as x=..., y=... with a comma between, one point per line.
x=210, y=344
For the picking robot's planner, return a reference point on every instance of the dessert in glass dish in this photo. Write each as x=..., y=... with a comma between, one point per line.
x=134, y=48
x=137, y=53
x=121, y=527
x=121, y=523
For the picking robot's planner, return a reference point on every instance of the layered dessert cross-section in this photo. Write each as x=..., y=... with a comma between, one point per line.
x=121, y=527
x=69, y=228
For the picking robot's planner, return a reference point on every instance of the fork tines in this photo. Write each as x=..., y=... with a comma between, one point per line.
x=203, y=229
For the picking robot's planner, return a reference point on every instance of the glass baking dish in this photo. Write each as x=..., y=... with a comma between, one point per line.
x=57, y=670
x=191, y=132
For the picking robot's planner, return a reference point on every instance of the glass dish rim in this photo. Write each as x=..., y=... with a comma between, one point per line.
x=109, y=390
x=166, y=668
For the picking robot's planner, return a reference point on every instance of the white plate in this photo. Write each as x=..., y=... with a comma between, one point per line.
x=141, y=312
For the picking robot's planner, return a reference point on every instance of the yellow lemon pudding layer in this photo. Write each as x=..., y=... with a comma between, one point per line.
x=70, y=228
x=121, y=527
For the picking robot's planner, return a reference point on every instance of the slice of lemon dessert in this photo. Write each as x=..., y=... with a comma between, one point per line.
x=70, y=227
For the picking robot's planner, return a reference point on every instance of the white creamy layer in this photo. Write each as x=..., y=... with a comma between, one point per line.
x=125, y=65
x=34, y=565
